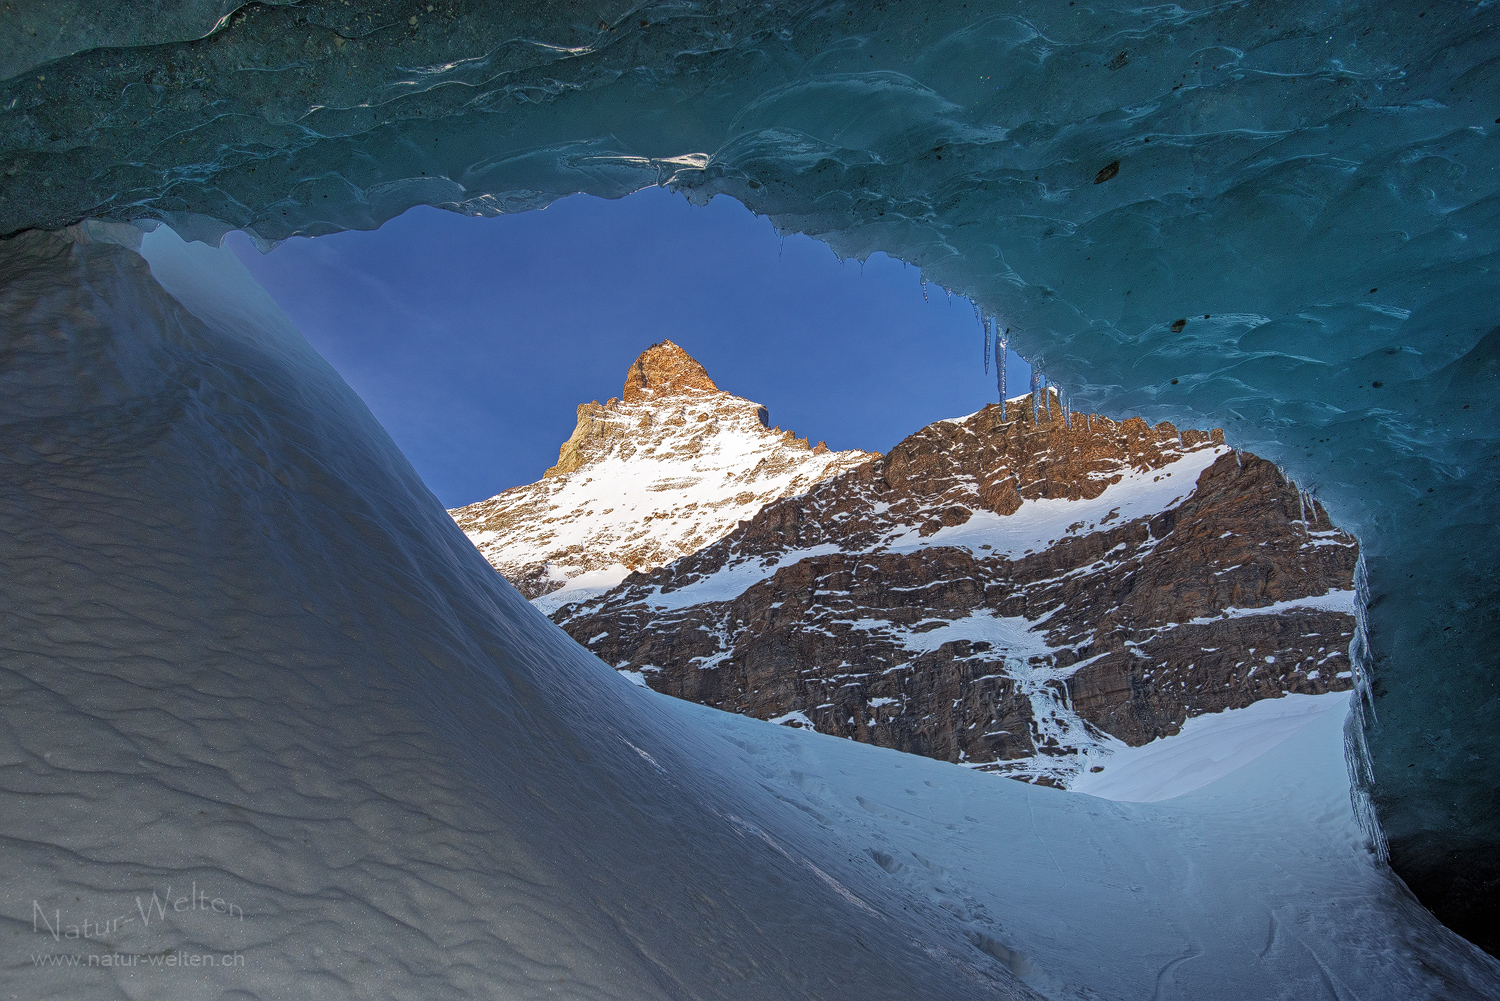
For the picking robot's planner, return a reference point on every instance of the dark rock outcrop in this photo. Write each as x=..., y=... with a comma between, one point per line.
x=1158, y=602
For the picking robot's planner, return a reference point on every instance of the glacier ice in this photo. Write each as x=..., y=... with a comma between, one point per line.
x=1278, y=218
x=248, y=652
x=1002, y=356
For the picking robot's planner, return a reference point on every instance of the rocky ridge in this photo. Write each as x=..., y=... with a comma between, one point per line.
x=1023, y=595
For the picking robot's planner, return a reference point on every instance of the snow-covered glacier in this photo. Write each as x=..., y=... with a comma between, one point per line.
x=1279, y=218
x=270, y=716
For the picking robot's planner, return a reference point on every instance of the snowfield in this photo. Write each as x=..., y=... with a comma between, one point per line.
x=248, y=653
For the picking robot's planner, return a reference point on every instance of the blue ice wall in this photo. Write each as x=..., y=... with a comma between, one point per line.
x=1279, y=218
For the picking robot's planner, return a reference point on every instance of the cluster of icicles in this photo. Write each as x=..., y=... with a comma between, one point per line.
x=1040, y=398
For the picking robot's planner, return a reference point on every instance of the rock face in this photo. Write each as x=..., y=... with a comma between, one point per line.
x=1020, y=595
x=642, y=481
x=662, y=370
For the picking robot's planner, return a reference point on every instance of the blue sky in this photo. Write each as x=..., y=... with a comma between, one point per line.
x=474, y=340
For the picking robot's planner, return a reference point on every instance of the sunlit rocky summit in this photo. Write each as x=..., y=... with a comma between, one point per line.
x=671, y=466
x=1022, y=595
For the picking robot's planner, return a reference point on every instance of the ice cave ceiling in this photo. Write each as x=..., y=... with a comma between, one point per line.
x=1277, y=217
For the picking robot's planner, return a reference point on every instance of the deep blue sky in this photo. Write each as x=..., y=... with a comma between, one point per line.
x=473, y=340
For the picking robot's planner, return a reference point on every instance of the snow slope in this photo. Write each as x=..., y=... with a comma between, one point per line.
x=1208, y=748
x=1256, y=885
x=247, y=653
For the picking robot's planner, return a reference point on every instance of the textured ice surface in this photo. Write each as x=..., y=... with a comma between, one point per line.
x=1277, y=217
x=248, y=655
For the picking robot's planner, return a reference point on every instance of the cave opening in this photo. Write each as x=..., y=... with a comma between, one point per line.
x=479, y=389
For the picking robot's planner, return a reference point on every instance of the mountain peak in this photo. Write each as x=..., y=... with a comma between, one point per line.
x=664, y=368
x=675, y=466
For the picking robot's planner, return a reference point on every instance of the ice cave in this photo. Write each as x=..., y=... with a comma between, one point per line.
x=262, y=697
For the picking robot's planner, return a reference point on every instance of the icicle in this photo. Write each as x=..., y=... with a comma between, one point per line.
x=985, y=330
x=1304, y=507
x=924, y=289
x=1036, y=396
x=1088, y=420
x=1356, y=750
x=1002, y=346
x=1062, y=404
x=1046, y=396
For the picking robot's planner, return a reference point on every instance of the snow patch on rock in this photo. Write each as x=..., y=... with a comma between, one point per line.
x=1038, y=524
